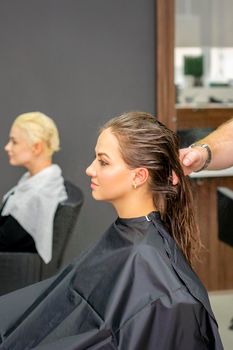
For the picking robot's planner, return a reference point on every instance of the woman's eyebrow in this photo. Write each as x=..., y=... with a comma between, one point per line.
x=99, y=154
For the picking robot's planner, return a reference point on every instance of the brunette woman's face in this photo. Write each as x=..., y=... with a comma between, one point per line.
x=111, y=179
x=19, y=149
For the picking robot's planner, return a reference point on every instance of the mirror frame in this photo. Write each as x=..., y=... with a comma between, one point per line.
x=164, y=57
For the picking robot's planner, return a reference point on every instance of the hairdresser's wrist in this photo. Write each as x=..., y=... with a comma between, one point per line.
x=206, y=152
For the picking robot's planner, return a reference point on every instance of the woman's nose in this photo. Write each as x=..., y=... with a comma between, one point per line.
x=90, y=171
x=7, y=147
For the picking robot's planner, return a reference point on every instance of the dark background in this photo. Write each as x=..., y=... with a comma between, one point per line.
x=81, y=62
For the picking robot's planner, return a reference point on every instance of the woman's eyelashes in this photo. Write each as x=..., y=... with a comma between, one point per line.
x=102, y=162
x=12, y=140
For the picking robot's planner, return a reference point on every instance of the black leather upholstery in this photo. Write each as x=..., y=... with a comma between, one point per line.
x=20, y=269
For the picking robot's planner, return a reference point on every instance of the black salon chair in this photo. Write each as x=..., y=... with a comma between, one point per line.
x=225, y=215
x=18, y=270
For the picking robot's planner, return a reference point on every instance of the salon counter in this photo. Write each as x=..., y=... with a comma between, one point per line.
x=202, y=115
x=216, y=267
x=212, y=173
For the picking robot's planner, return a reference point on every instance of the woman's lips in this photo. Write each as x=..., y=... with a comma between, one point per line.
x=93, y=185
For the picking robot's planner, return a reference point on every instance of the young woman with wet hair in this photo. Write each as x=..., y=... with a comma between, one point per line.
x=135, y=288
x=146, y=143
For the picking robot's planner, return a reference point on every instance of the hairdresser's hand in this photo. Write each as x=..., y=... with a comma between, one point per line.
x=192, y=159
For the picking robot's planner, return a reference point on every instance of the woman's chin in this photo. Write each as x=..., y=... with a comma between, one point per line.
x=13, y=162
x=96, y=196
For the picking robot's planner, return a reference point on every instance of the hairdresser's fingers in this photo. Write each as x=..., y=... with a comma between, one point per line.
x=191, y=159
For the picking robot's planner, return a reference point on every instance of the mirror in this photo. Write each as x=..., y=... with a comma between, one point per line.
x=204, y=52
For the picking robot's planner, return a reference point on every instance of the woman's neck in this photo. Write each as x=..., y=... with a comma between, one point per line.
x=135, y=207
x=38, y=166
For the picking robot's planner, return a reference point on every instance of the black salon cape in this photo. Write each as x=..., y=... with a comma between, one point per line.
x=132, y=291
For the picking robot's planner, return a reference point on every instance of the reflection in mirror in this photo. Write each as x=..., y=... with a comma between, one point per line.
x=189, y=136
x=204, y=51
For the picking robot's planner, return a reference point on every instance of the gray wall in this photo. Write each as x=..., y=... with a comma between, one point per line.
x=81, y=62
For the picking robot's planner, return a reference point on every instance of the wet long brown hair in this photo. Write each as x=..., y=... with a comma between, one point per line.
x=145, y=142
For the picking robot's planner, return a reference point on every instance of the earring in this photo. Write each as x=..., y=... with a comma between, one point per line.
x=134, y=185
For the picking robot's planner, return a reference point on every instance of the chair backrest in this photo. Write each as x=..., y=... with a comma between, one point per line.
x=18, y=270
x=64, y=223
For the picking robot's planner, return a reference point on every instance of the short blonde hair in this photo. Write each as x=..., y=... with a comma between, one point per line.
x=39, y=127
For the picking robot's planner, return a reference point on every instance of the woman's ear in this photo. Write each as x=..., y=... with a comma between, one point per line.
x=175, y=178
x=38, y=148
x=140, y=176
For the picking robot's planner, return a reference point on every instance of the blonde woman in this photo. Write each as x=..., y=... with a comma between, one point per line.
x=26, y=221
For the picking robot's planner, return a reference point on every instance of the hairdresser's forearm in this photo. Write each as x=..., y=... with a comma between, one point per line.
x=221, y=144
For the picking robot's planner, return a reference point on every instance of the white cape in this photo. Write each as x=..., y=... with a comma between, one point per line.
x=33, y=203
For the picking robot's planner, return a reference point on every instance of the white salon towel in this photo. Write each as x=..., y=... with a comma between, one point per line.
x=33, y=203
